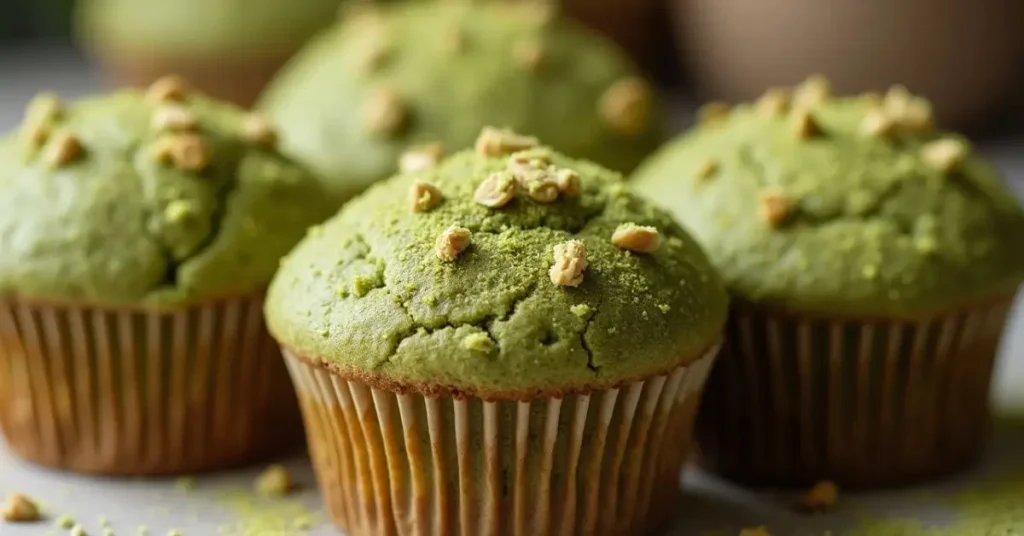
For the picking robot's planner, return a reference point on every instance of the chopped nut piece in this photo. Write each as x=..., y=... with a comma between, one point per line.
x=570, y=263
x=530, y=160
x=168, y=88
x=452, y=242
x=20, y=509
x=568, y=182
x=756, y=531
x=636, y=238
x=811, y=92
x=173, y=118
x=944, y=155
x=44, y=107
x=421, y=157
x=424, y=196
x=774, y=208
x=376, y=52
x=626, y=106
x=187, y=152
x=896, y=100
x=707, y=168
x=257, y=130
x=275, y=481
x=496, y=190
x=542, y=188
x=713, y=112
x=497, y=142
x=478, y=342
x=40, y=114
x=803, y=124
x=62, y=150
x=530, y=55
x=386, y=112
x=820, y=498
x=455, y=40
x=877, y=124
x=918, y=117
x=773, y=102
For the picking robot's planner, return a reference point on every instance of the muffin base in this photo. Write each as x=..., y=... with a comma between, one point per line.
x=865, y=403
x=233, y=79
x=607, y=461
x=133, y=391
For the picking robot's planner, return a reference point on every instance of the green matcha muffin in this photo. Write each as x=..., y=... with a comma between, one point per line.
x=229, y=49
x=872, y=259
x=400, y=75
x=508, y=342
x=140, y=231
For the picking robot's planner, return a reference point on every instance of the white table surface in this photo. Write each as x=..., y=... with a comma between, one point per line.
x=709, y=507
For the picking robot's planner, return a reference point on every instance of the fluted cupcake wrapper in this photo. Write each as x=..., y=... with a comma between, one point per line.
x=797, y=399
x=606, y=462
x=139, y=391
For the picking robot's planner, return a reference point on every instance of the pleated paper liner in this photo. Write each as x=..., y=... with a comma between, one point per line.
x=866, y=403
x=607, y=462
x=136, y=391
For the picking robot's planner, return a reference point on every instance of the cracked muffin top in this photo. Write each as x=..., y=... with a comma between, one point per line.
x=407, y=73
x=162, y=196
x=505, y=271
x=854, y=206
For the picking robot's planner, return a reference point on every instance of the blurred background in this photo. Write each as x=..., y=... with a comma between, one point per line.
x=967, y=56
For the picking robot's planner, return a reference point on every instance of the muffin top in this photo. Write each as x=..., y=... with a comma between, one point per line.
x=196, y=27
x=162, y=196
x=852, y=206
x=504, y=271
x=419, y=72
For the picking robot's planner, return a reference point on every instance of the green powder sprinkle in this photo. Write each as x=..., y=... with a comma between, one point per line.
x=186, y=483
x=65, y=522
x=259, y=516
x=478, y=342
x=581, y=310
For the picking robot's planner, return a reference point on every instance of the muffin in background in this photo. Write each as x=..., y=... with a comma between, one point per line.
x=228, y=49
x=508, y=342
x=140, y=232
x=872, y=259
x=413, y=73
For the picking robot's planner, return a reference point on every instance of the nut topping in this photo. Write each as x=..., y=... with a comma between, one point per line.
x=497, y=190
x=626, y=106
x=424, y=196
x=168, y=88
x=452, y=242
x=636, y=238
x=570, y=263
x=497, y=142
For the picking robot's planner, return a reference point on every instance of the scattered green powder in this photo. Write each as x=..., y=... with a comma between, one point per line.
x=186, y=483
x=259, y=516
x=478, y=342
x=581, y=310
x=108, y=531
x=989, y=509
x=65, y=522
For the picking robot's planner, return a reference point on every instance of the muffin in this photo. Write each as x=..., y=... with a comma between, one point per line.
x=140, y=231
x=227, y=49
x=423, y=73
x=872, y=259
x=503, y=343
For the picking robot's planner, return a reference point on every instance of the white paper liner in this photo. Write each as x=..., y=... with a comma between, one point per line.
x=795, y=400
x=136, y=391
x=406, y=464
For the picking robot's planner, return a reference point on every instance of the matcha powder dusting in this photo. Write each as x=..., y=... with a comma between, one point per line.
x=991, y=509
